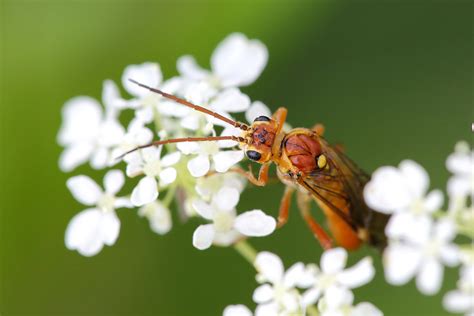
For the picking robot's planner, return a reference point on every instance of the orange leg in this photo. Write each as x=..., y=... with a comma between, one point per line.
x=303, y=204
x=262, y=179
x=280, y=117
x=285, y=206
x=319, y=129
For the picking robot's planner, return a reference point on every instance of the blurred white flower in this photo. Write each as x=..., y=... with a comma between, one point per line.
x=88, y=231
x=148, y=162
x=338, y=302
x=112, y=100
x=333, y=274
x=226, y=226
x=461, y=164
x=158, y=215
x=237, y=61
x=237, y=310
x=255, y=110
x=87, y=134
x=402, y=192
x=277, y=295
x=200, y=165
x=461, y=300
x=422, y=256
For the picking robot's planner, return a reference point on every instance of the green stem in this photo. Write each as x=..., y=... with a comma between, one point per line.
x=312, y=311
x=170, y=194
x=246, y=250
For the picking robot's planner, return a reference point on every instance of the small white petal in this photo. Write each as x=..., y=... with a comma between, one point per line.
x=433, y=201
x=170, y=159
x=100, y=158
x=110, y=228
x=255, y=223
x=401, y=263
x=268, y=309
x=203, y=209
x=226, y=198
x=387, y=192
x=199, y=166
x=110, y=134
x=366, y=309
x=450, y=255
x=237, y=310
x=167, y=176
x=226, y=238
x=75, y=155
x=269, y=266
x=238, y=61
x=458, y=302
x=203, y=236
x=188, y=147
x=445, y=230
x=147, y=73
x=230, y=100
x=430, y=277
x=159, y=217
x=263, y=294
x=333, y=260
x=336, y=296
x=294, y=275
x=187, y=67
x=84, y=189
x=145, y=192
x=111, y=98
x=415, y=176
x=134, y=168
x=311, y=296
x=123, y=202
x=81, y=120
x=255, y=110
x=113, y=181
x=224, y=160
x=145, y=114
x=290, y=302
x=361, y=273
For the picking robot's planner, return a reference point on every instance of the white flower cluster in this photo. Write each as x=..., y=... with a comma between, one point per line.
x=295, y=291
x=93, y=133
x=421, y=235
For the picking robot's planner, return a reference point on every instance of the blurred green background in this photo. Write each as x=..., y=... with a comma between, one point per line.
x=391, y=80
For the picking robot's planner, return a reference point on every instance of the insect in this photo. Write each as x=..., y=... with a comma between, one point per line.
x=308, y=165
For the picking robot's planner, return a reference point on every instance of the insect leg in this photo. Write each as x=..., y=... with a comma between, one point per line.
x=318, y=128
x=262, y=179
x=303, y=201
x=285, y=206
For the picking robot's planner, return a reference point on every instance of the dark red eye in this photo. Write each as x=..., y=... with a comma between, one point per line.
x=262, y=118
x=253, y=155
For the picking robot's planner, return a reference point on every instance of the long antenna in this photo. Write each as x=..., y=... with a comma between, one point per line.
x=242, y=126
x=185, y=139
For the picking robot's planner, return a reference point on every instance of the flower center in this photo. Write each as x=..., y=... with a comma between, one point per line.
x=432, y=248
x=106, y=202
x=223, y=221
x=326, y=280
x=152, y=168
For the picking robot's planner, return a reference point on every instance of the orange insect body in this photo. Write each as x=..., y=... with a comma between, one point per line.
x=312, y=168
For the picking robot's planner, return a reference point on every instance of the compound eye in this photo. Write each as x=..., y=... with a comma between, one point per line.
x=253, y=155
x=262, y=118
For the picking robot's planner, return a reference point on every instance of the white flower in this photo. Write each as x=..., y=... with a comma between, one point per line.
x=226, y=226
x=112, y=100
x=332, y=274
x=237, y=310
x=200, y=165
x=402, y=192
x=158, y=215
x=87, y=134
x=144, y=101
x=255, y=110
x=148, y=161
x=277, y=295
x=338, y=302
x=423, y=256
x=137, y=135
x=461, y=300
x=89, y=230
x=206, y=187
x=461, y=164
x=237, y=61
